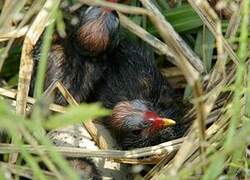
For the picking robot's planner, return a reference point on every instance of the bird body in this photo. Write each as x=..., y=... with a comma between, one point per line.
x=79, y=60
x=131, y=75
x=140, y=97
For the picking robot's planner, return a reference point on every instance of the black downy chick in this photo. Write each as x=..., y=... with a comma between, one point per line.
x=79, y=60
x=85, y=168
x=140, y=97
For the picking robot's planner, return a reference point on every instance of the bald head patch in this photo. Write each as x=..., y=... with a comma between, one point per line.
x=93, y=36
x=120, y=111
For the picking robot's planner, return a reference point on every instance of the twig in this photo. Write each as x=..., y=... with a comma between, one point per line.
x=170, y=36
x=100, y=140
x=201, y=118
x=172, y=39
x=234, y=23
x=16, y=33
x=119, y=7
x=190, y=145
x=46, y=159
x=12, y=95
x=163, y=148
x=150, y=160
x=23, y=171
x=201, y=7
x=94, y=128
x=171, y=72
x=36, y=6
x=160, y=165
x=161, y=47
x=26, y=64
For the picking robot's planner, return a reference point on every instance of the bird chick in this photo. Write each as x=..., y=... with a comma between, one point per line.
x=97, y=31
x=85, y=168
x=144, y=105
x=79, y=60
x=136, y=124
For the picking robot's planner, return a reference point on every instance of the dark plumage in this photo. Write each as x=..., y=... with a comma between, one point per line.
x=80, y=59
x=85, y=168
x=140, y=97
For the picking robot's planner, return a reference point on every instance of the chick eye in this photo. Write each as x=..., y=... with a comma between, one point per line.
x=137, y=131
x=146, y=124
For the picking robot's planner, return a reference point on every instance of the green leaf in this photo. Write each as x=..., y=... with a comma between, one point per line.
x=188, y=92
x=215, y=168
x=247, y=93
x=182, y=18
x=163, y=4
x=76, y=114
x=13, y=81
x=60, y=26
x=204, y=47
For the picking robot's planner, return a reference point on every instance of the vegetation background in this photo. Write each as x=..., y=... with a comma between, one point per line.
x=216, y=82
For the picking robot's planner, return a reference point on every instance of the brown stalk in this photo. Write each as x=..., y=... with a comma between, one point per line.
x=160, y=165
x=119, y=7
x=160, y=149
x=11, y=94
x=15, y=33
x=96, y=133
x=24, y=171
x=35, y=7
x=26, y=67
x=159, y=46
x=179, y=49
x=187, y=148
x=209, y=17
x=26, y=64
x=33, y=142
x=191, y=144
x=172, y=39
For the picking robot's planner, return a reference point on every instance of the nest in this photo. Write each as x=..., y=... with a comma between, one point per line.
x=216, y=128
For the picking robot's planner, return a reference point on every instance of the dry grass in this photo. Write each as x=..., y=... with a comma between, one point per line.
x=216, y=143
